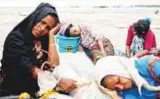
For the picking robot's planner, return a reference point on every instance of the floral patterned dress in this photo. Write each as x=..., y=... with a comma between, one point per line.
x=91, y=42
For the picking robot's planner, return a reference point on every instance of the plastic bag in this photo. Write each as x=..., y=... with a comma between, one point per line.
x=46, y=81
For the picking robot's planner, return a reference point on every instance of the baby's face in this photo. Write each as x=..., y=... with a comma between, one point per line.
x=118, y=83
x=75, y=31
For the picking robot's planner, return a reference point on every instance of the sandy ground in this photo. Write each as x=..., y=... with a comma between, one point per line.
x=110, y=22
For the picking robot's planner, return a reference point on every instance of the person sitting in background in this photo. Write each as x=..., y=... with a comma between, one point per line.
x=97, y=47
x=26, y=48
x=141, y=37
x=132, y=78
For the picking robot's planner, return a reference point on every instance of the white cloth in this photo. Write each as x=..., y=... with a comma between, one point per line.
x=76, y=66
x=109, y=66
x=90, y=92
x=79, y=67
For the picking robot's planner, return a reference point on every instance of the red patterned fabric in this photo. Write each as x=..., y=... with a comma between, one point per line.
x=150, y=69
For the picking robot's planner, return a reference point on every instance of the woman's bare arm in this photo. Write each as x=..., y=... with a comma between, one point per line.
x=128, y=51
x=53, y=57
x=142, y=53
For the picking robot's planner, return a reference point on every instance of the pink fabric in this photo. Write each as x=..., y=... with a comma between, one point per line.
x=87, y=39
x=130, y=36
x=149, y=40
x=63, y=28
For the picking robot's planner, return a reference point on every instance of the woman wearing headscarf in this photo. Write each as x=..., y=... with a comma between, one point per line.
x=129, y=78
x=140, y=39
x=27, y=47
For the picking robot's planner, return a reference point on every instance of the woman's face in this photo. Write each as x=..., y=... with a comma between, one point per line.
x=118, y=83
x=75, y=31
x=44, y=26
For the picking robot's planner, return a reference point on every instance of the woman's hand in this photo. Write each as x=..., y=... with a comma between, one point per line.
x=67, y=84
x=55, y=29
x=53, y=57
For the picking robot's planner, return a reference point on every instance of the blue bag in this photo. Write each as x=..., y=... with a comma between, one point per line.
x=68, y=44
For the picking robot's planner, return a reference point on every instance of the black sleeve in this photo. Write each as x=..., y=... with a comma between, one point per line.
x=18, y=56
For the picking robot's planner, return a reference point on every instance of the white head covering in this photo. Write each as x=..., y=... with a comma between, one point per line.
x=110, y=66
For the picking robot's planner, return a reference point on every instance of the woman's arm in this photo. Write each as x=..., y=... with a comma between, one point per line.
x=142, y=53
x=53, y=57
x=128, y=51
x=129, y=39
